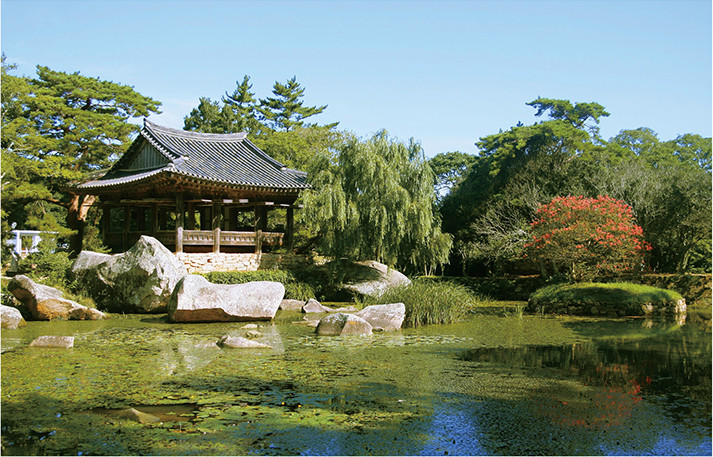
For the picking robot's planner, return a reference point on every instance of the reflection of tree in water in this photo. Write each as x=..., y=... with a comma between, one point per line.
x=614, y=375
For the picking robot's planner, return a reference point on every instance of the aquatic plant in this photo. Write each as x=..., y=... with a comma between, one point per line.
x=429, y=302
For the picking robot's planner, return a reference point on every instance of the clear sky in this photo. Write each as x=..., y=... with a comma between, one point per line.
x=443, y=72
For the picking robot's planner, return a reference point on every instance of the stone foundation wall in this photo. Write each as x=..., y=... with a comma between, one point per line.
x=208, y=262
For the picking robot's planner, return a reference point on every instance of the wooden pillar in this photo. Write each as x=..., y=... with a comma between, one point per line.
x=180, y=213
x=141, y=219
x=290, y=228
x=232, y=218
x=125, y=230
x=204, y=217
x=264, y=218
x=191, y=223
x=217, y=217
x=258, y=229
x=106, y=224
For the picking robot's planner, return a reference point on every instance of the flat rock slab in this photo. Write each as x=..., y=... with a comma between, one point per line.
x=343, y=324
x=62, y=342
x=197, y=300
x=238, y=342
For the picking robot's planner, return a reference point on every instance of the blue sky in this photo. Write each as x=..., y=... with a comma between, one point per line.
x=445, y=73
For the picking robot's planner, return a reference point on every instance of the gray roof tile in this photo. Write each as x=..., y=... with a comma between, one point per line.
x=223, y=158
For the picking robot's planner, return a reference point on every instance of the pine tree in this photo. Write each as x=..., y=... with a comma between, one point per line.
x=56, y=128
x=286, y=110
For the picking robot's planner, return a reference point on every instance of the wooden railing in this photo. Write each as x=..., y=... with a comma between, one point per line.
x=200, y=238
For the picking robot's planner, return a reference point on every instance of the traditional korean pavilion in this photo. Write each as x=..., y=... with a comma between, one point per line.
x=197, y=192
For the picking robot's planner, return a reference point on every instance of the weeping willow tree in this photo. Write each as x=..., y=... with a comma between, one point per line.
x=374, y=200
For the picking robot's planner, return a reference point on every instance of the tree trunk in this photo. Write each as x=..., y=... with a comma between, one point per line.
x=543, y=269
x=76, y=218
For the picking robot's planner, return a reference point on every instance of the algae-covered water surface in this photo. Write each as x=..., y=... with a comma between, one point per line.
x=138, y=385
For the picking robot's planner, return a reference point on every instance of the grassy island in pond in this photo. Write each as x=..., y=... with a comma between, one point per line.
x=604, y=298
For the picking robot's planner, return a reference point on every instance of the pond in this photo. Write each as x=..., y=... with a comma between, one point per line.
x=486, y=386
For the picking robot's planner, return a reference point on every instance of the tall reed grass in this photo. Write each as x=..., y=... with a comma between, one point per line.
x=429, y=302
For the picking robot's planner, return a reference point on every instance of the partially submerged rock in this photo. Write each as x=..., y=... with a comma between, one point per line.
x=385, y=318
x=11, y=317
x=313, y=306
x=63, y=342
x=197, y=300
x=238, y=342
x=343, y=324
x=139, y=280
x=291, y=305
x=138, y=416
x=47, y=303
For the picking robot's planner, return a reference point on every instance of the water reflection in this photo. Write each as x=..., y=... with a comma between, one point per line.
x=635, y=389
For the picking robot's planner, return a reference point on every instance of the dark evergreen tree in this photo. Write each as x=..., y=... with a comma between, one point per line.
x=56, y=128
x=286, y=110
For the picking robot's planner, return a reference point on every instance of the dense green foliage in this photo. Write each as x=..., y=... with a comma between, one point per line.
x=374, y=200
x=625, y=293
x=450, y=169
x=294, y=288
x=57, y=128
x=429, y=302
x=47, y=266
x=667, y=184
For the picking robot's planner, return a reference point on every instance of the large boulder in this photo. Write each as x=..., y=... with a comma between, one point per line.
x=372, y=278
x=384, y=318
x=47, y=303
x=197, y=300
x=343, y=324
x=11, y=317
x=139, y=280
x=343, y=280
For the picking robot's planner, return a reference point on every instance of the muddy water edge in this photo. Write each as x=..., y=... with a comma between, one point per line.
x=489, y=385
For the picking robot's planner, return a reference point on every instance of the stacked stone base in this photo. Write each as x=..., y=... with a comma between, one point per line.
x=209, y=262
x=608, y=309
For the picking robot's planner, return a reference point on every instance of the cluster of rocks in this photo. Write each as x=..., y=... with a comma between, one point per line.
x=44, y=304
x=148, y=278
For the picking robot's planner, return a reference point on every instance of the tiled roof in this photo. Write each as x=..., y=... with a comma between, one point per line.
x=225, y=159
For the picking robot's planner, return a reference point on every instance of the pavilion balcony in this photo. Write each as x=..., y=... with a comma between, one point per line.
x=201, y=240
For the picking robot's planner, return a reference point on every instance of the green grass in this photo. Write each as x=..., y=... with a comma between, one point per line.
x=429, y=302
x=624, y=293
